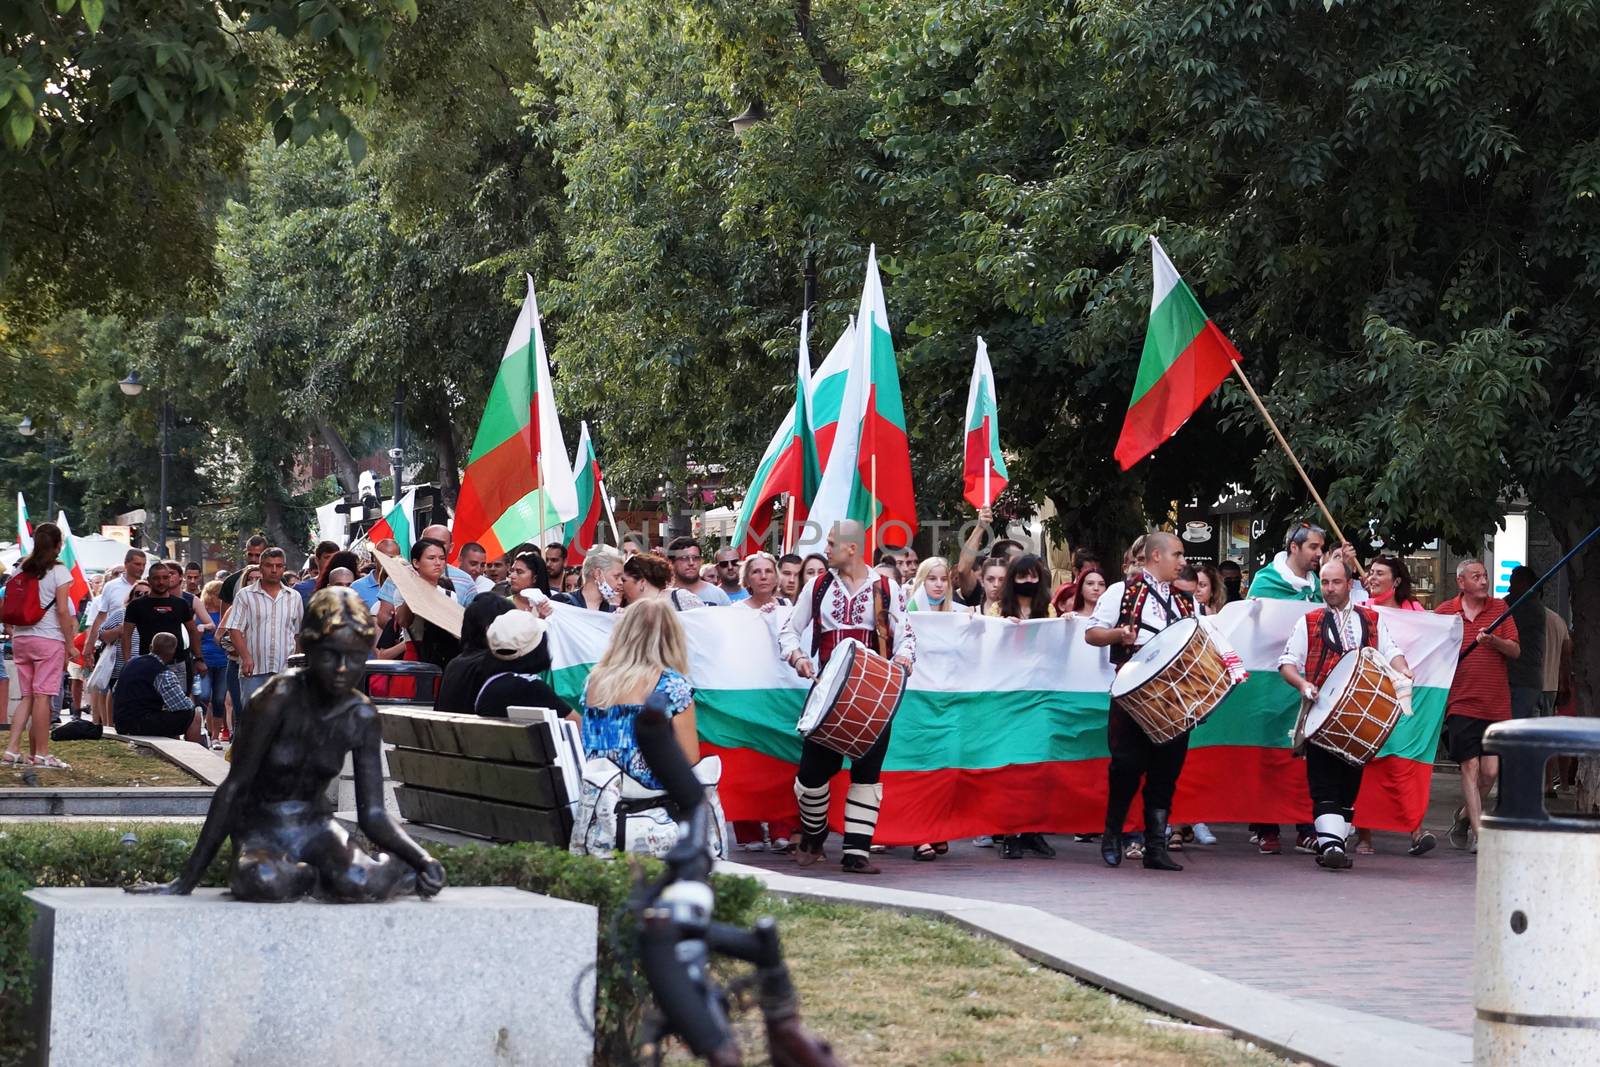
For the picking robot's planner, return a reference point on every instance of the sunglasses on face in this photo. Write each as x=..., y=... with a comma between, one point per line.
x=727, y=563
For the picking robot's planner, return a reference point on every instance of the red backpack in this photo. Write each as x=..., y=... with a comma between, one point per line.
x=21, y=605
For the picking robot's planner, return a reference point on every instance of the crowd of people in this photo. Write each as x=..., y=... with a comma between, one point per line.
x=156, y=650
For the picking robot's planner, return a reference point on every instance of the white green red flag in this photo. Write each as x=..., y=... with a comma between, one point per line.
x=867, y=476
x=69, y=559
x=999, y=710
x=518, y=482
x=790, y=467
x=1185, y=358
x=983, y=467
x=580, y=531
x=24, y=527
x=398, y=524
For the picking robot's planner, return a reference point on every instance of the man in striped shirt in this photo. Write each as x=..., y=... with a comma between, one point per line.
x=264, y=624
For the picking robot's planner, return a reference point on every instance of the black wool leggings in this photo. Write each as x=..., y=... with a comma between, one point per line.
x=1135, y=756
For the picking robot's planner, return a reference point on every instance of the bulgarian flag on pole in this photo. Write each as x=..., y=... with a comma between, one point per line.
x=518, y=483
x=69, y=559
x=24, y=527
x=1185, y=359
x=579, y=532
x=790, y=466
x=399, y=524
x=795, y=457
x=984, y=468
x=867, y=477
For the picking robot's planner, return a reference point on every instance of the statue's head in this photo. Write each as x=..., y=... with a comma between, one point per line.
x=336, y=635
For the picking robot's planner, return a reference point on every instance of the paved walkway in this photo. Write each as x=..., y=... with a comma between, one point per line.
x=1393, y=937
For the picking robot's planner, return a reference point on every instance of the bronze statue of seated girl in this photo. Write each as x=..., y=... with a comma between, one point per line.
x=273, y=804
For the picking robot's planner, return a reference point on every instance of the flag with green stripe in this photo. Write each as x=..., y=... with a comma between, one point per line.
x=1003, y=727
x=1185, y=358
x=518, y=482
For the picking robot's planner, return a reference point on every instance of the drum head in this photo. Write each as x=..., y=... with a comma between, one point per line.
x=1330, y=692
x=1156, y=653
x=825, y=690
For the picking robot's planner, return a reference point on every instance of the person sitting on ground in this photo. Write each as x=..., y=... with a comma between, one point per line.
x=517, y=643
x=464, y=676
x=150, y=700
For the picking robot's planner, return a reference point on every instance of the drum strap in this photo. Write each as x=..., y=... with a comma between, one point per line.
x=819, y=593
x=882, y=626
x=1323, y=634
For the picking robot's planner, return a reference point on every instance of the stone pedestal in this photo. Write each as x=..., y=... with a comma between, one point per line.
x=474, y=976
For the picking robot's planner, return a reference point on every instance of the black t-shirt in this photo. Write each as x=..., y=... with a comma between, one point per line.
x=517, y=691
x=152, y=615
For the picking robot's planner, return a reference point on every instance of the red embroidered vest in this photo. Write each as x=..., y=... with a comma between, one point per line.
x=1134, y=593
x=1321, y=654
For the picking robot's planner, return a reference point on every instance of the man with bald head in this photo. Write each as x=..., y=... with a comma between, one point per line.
x=1319, y=640
x=1128, y=615
x=848, y=600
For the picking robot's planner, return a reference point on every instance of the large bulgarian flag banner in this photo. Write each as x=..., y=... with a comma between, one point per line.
x=1185, y=358
x=518, y=482
x=1003, y=729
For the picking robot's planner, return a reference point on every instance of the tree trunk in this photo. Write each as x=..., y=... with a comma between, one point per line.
x=346, y=470
x=444, y=449
x=279, y=532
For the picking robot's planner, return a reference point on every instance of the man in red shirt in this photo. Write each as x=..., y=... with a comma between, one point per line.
x=1480, y=693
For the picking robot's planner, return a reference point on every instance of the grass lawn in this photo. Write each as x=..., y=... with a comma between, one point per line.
x=98, y=763
x=892, y=989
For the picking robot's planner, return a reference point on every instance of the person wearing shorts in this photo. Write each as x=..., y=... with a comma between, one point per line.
x=1480, y=693
x=39, y=651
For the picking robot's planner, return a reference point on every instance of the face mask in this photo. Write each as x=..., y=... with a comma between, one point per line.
x=1027, y=588
x=1232, y=586
x=931, y=599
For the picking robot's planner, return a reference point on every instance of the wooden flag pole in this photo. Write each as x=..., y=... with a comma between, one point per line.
x=988, y=462
x=788, y=522
x=605, y=498
x=872, y=529
x=1284, y=443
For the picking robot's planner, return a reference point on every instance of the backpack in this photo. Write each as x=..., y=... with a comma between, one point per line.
x=21, y=606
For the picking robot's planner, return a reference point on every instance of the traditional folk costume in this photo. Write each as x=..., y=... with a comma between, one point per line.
x=825, y=614
x=1151, y=606
x=1316, y=644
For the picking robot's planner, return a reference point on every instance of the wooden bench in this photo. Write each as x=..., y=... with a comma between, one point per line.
x=503, y=779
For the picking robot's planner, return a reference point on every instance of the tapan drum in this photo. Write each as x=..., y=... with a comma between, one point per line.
x=1173, y=682
x=853, y=700
x=1356, y=708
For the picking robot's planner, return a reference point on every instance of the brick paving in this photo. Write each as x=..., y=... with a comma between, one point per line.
x=1392, y=937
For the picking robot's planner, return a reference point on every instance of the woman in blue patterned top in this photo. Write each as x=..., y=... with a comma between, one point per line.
x=647, y=654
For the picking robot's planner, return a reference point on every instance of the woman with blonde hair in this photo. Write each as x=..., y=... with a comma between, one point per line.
x=648, y=654
x=930, y=589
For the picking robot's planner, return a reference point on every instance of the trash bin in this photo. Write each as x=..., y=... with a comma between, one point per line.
x=1538, y=907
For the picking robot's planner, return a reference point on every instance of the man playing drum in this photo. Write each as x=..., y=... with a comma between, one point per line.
x=1320, y=639
x=847, y=600
x=1127, y=616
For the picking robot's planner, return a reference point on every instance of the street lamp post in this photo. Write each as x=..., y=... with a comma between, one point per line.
x=132, y=386
x=27, y=429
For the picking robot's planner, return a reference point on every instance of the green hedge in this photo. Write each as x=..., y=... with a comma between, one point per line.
x=53, y=855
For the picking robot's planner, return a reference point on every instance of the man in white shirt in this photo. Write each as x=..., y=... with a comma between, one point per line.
x=1128, y=615
x=684, y=554
x=264, y=624
x=1319, y=640
x=847, y=600
x=114, y=594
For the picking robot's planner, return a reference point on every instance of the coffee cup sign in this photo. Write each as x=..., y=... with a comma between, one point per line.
x=1196, y=532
